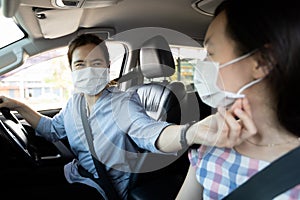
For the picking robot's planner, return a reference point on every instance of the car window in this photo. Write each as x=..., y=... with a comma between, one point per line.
x=44, y=81
x=117, y=55
x=185, y=59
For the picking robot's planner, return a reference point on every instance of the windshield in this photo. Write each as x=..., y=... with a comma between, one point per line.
x=10, y=32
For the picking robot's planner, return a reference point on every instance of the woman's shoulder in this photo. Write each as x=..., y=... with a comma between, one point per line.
x=226, y=157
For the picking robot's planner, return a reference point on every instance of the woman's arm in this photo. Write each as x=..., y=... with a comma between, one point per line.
x=190, y=189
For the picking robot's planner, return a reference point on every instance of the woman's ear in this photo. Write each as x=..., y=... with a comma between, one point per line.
x=260, y=71
x=262, y=67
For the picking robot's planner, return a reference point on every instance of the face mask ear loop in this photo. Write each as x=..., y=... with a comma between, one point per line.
x=249, y=85
x=238, y=59
x=107, y=71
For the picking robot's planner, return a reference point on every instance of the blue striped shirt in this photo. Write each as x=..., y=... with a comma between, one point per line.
x=115, y=116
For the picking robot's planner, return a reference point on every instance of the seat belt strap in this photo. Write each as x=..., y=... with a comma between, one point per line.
x=280, y=176
x=103, y=181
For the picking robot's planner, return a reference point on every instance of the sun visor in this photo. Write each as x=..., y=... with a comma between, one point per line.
x=57, y=23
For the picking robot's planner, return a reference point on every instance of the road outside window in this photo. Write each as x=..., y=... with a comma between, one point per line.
x=44, y=81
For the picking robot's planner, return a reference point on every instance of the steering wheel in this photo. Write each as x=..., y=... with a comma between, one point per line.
x=16, y=134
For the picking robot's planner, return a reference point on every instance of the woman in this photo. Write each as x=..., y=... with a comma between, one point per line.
x=252, y=48
x=118, y=121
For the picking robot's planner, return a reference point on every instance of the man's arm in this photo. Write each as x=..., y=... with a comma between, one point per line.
x=31, y=116
x=221, y=130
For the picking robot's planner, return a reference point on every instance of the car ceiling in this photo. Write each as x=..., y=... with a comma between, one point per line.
x=42, y=20
x=178, y=15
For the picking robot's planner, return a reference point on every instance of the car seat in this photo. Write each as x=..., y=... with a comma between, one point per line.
x=163, y=100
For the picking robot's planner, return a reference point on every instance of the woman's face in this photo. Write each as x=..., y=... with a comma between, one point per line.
x=89, y=55
x=221, y=49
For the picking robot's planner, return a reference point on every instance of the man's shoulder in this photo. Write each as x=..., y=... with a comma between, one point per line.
x=122, y=96
x=116, y=91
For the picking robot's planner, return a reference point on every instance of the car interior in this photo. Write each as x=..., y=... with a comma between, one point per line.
x=164, y=101
x=154, y=46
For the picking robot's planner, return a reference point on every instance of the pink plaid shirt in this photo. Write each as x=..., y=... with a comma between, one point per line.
x=221, y=170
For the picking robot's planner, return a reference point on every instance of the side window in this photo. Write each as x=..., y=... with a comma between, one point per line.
x=44, y=81
x=185, y=59
x=116, y=53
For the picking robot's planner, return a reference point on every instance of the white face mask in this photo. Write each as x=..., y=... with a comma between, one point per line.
x=205, y=81
x=90, y=80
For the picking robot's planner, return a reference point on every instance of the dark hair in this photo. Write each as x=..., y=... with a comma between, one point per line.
x=273, y=27
x=85, y=39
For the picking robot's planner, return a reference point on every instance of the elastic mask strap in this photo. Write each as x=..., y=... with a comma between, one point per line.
x=238, y=59
x=249, y=85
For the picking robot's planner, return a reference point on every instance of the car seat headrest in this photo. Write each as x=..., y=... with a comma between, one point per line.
x=156, y=58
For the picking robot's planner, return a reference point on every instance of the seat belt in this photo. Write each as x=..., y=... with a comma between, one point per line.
x=103, y=181
x=280, y=176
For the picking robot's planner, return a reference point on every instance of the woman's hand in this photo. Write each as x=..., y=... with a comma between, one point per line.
x=226, y=128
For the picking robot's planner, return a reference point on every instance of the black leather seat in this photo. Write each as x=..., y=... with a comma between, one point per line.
x=160, y=176
x=161, y=99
